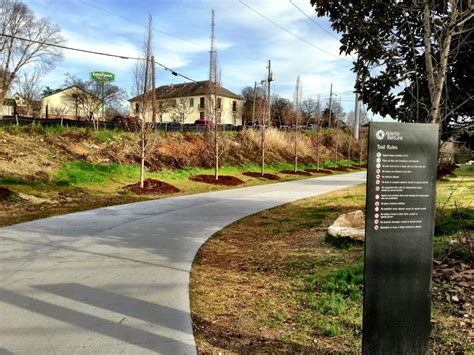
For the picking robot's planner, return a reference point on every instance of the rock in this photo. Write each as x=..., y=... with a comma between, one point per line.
x=349, y=225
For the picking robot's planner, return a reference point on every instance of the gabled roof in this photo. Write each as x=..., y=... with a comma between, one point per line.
x=70, y=87
x=187, y=89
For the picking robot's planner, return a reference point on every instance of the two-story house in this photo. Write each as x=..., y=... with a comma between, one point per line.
x=188, y=102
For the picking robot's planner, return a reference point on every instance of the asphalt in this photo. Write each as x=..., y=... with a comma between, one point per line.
x=115, y=280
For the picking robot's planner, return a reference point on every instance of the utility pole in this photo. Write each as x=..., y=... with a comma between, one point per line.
x=269, y=80
x=153, y=93
x=356, y=113
x=330, y=106
x=254, y=99
x=297, y=116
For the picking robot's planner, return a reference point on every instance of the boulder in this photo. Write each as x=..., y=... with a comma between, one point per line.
x=349, y=225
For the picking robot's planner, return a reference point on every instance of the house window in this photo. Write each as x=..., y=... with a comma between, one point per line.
x=201, y=115
x=234, y=106
x=219, y=103
x=137, y=107
x=191, y=102
x=201, y=102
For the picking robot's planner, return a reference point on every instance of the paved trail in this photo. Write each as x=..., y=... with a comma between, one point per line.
x=115, y=280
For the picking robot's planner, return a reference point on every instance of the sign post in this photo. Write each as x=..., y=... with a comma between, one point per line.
x=102, y=77
x=400, y=208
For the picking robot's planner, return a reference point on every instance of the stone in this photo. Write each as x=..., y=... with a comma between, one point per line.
x=349, y=225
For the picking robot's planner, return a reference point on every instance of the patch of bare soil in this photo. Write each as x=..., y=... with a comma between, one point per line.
x=322, y=171
x=259, y=175
x=152, y=187
x=223, y=180
x=299, y=172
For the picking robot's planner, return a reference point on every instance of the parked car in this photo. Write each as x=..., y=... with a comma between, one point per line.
x=203, y=122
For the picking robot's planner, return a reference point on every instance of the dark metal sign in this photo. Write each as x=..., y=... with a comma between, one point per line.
x=400, y=210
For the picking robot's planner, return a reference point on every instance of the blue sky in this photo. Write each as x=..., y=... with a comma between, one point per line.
x=245, y=41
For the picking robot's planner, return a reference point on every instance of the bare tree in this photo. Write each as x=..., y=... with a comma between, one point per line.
x=143, y=86
x=182, y=110
x=24, y=41
x=58, y=111
x=29, y=87
x=363, y=118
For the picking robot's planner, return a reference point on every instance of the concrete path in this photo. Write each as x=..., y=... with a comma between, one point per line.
x=115, y=280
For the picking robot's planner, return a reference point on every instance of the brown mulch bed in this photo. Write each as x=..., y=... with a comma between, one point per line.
x=152, y=187
x=322, y=171
x=259, y=175
x=223, y=180
x=299, y=172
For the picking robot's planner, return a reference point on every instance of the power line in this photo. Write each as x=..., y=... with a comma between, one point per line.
x=312, y=20
x=173, y=72
x=157, y=30
x=290, y=32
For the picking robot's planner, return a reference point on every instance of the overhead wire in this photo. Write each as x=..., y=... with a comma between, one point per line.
x=172, y=71
x=158, y=30
x=316, y=23
x=290, y=32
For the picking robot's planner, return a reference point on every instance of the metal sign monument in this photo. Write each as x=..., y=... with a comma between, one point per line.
x=400, y=210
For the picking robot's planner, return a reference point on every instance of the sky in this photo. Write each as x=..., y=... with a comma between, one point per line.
x=295, y=40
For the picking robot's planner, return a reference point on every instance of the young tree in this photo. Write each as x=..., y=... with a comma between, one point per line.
x=25, y=40
x=143, y=86
x=182, y=110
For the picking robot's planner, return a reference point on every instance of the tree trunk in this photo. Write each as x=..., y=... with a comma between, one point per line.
x=142, y=155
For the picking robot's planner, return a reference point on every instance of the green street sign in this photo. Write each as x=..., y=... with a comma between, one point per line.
x=102, y=76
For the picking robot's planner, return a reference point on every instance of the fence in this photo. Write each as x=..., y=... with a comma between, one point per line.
x=167, y=127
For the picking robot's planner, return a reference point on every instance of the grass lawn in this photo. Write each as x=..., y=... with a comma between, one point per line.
x=80, y=185
x=274, y=281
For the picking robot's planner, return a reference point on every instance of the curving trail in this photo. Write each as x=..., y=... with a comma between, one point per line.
x=115, y=280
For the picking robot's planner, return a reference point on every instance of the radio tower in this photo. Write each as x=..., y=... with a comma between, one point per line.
x=213, y=55
x=213, y=100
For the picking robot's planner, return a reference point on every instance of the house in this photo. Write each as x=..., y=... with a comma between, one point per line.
x=72, y=103
x=26, y=107
x=188, y=102
x=8, y=107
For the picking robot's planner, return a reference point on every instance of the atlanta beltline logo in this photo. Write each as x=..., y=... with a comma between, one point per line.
x=388, y=135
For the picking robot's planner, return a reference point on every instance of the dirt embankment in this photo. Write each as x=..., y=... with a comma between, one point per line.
x=31, y=154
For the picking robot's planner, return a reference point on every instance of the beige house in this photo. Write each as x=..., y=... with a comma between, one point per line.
x=72, y=103
x=188, y=102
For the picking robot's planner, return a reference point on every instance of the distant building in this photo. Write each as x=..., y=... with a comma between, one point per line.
x=71, y=103
x=188, y=102
x=26, y=107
